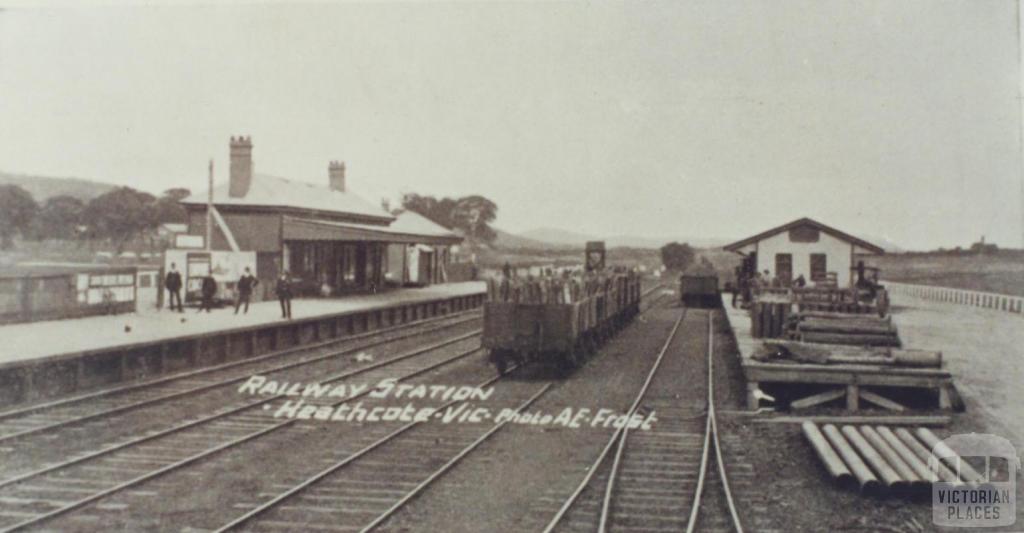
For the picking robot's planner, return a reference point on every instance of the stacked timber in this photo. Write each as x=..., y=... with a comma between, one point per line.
x=554, y=289
x=832, y=299
x=828, y=354
x=881, y=460
x=838, y=328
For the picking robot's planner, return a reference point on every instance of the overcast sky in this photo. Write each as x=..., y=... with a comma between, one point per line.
x=896, y=119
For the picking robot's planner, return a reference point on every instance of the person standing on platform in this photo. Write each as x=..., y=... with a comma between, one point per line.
x=246, y=284
x=209, y=289
x=284, y=294
x=173, y=284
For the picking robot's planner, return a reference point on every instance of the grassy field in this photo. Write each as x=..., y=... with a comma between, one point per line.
x=1001, y=272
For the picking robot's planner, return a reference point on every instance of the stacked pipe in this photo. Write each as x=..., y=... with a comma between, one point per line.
x=835, y=328
x=768, y=318
x=879, y=460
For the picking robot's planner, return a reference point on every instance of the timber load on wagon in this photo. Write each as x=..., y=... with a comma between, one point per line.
x=557, y=320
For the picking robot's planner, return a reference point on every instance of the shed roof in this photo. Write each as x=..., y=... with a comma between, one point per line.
x=415, y=223
x=272, y=191
x=734, y=247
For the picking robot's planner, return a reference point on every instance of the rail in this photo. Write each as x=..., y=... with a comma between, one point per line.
x=985, y=300
x=177, y=464
x=619, y=433
x=711, y=439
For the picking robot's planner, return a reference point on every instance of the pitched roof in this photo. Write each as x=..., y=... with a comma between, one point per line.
x=805, y=222
x=271, y=191
x=415, y=223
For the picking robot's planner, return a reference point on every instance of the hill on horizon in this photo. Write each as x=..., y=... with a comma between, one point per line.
x=566, y=237
x=42, y=187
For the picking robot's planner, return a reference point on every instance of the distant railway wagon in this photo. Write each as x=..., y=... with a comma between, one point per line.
x=557, y=321
x=699, y=290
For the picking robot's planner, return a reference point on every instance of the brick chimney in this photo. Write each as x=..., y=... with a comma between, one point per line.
x=241, y=166
x=336, y=175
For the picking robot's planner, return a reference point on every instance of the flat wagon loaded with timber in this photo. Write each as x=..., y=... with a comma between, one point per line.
x=556, y=320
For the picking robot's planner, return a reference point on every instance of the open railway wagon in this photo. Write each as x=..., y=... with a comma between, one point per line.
x=556, y=320
x=699, y=290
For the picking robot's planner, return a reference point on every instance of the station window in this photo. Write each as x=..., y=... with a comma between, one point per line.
x=819, y=267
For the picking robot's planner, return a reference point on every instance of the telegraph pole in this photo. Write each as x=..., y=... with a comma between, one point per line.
x=209, y=211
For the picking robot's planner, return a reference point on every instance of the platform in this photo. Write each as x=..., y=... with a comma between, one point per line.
x=44, y=359
x=847, y=379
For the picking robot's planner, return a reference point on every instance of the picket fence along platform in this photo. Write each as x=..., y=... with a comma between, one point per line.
x=987, y=300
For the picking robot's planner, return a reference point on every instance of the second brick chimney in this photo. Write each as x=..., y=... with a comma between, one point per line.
x=241, y=167
x=336, y=175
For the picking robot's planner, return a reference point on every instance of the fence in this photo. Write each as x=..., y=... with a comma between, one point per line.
x=987, y=300
x=28, y=295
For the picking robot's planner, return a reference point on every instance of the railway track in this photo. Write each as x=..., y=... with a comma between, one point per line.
x=656, y=480
x=36, y=497
x=67, y=489
x=365, y=487
x=27, y=420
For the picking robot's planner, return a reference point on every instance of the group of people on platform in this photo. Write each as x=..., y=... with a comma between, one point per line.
x=244, y=289
x=747, y=282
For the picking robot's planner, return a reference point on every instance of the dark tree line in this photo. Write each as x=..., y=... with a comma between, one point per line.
x=117, y=216
x=472, y=215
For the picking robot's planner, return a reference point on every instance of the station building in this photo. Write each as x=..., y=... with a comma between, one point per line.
x=820, y=253
x=329, y=239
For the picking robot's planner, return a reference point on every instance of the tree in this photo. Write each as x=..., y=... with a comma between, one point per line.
x=169, y=209
x=471, y=214
x=474, y=214
x=17, y=210
x=438, y=211
x=677, y=256
x=121, y=215
x=59, y=218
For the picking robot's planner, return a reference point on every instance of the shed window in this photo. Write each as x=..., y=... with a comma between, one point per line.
x=804, y=234
x=819, y=267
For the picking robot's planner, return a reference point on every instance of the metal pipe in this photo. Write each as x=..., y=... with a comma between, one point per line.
x=949, y=457
x=835, y=466
x=868, y=482
x=885, y=472
x=924, y=454
x=895, y=461
x=920, y=468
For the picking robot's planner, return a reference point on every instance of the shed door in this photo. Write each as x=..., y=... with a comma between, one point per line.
x=784, y=268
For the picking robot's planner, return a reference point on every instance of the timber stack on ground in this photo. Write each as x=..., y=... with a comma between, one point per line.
x=837, y=328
